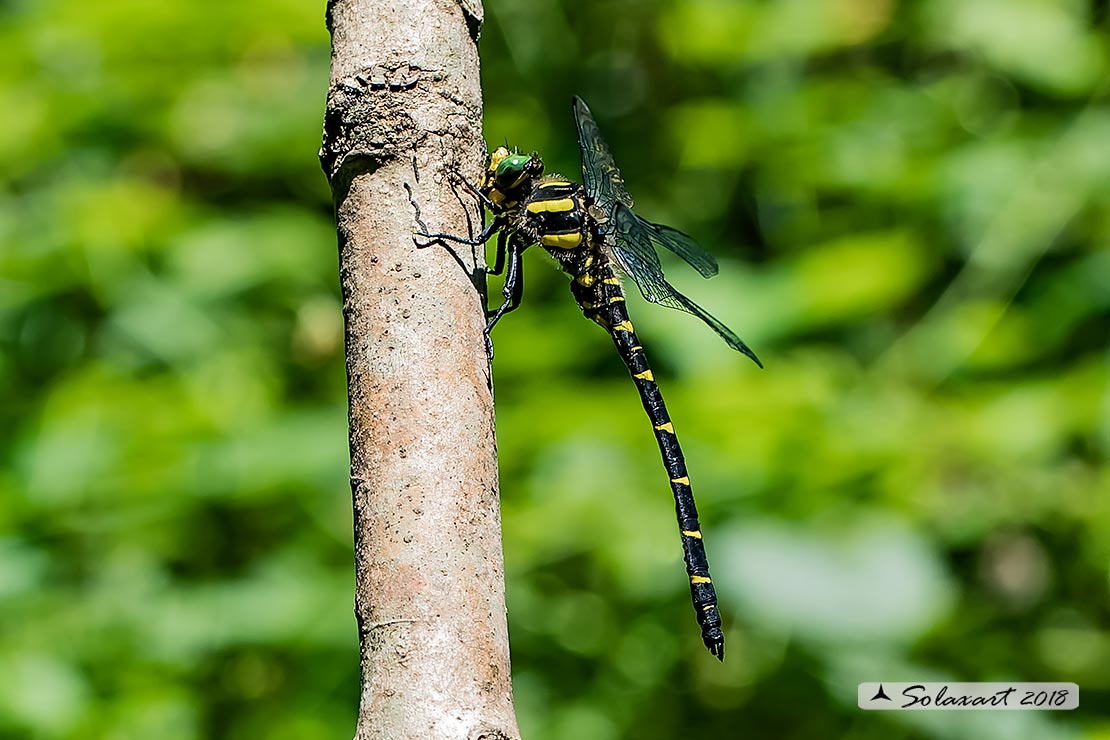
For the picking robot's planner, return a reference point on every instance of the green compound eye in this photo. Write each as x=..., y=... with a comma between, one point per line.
x=511, y=171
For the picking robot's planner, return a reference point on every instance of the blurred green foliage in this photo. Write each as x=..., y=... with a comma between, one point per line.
x=911, y=203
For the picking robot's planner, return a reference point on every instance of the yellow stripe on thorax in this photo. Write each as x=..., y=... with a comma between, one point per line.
x=561, y=205
x=562, y=241
x=624, y=326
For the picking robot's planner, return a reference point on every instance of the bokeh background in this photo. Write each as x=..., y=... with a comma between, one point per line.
x=911, y=206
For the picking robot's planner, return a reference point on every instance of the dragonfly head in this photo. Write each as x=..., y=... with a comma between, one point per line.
x=510, y=173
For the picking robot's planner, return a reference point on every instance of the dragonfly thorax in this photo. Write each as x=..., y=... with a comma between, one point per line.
x=554, y=216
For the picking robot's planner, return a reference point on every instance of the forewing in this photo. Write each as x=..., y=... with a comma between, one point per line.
x=627, y=242
x=683, y=246
x=600, y=175
x=606, y=186
x=641, y=236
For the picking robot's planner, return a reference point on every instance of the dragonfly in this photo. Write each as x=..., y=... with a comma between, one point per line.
x=596, y=237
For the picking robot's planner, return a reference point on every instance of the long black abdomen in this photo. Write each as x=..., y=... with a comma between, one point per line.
x=599, y=294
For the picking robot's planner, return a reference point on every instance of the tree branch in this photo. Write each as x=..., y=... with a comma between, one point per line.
x=404, y=105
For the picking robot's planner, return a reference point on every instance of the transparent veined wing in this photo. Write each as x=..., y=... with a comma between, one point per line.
x=680, y=244
x=600, y=175
x=629, y=241
x=605, y=185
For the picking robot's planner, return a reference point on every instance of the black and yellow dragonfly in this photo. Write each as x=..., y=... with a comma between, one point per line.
x=594, y=234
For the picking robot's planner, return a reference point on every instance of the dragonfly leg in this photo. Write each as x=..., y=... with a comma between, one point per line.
x=476, y=242
x=487, y=204
x=511, y=294
x=478, y=194
x=499, y=257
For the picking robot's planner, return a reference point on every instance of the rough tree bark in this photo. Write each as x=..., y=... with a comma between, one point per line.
x=404, y=105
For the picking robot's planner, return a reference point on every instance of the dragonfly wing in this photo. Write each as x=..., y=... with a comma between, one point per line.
x=682, y=245
x=642, y=236
x=629, y=242
x=605, y=185
x=600, y=175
